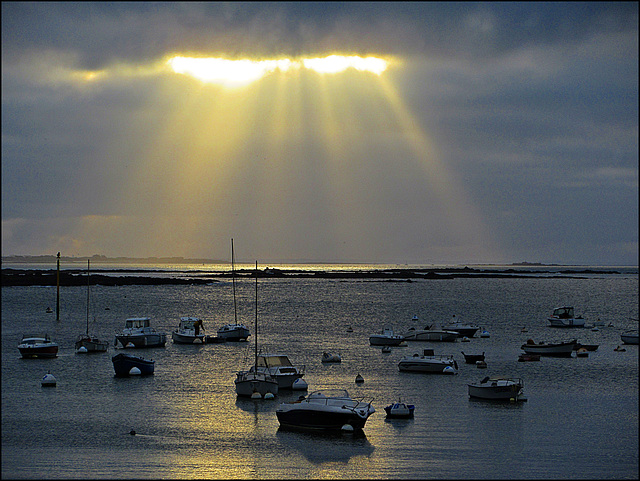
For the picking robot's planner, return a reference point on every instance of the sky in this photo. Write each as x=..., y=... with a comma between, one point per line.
x=409, y=133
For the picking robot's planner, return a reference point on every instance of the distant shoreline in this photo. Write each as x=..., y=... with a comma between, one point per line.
x=77, y=277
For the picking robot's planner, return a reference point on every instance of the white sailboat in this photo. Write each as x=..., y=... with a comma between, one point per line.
x=87, y=342
x=253, y=382
x=235, y=331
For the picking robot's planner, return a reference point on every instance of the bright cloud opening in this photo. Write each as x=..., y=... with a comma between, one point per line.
x=244, y=71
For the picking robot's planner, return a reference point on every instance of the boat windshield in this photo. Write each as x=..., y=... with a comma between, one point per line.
x=273, y=361
x=563, y=312
x=137, y=322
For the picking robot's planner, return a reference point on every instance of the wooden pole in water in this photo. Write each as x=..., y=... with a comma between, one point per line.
x=58, y=290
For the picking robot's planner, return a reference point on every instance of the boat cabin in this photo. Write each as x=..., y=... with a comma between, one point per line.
x=563, y=312
x=188, y=322
x=137, y=322
x=274, y=360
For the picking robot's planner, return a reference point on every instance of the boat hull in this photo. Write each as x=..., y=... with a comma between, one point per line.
x=239, y=333
x=187, y=338
x=158, y=339
x=38, y=352
x=553, y=350
x=92, y=344
x=399, y=411
x=629, y=338
x=247, y=383
x=503, y=392
x=468, y=331
x=379, y=340
x=123, y=363
x=571, y=322
x=426, y=366
x=433, y=336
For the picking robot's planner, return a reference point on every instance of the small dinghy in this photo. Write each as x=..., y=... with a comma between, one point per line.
x=328, y=357
x=472, y=358
x=399, y=410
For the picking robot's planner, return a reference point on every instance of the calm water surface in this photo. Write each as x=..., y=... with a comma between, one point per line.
x=581, y=420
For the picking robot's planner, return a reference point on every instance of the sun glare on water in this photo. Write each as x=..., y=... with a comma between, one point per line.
x=244, y=71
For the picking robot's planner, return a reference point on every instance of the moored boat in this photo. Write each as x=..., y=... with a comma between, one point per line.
x=462, y=328
x=428, y=362
x=472, y=358
x=629, y=337
x=386, y=337
x=329, y=409
x=497, y=388
x=234, y=331
x=328, y=357
x=124, y=363
x=400, y=410
x=429, y=334
x=559, y=349
x=188, y=331
x=279, y=367
x=565, y=317
x=139, y=333
x=90, y=343
x=37, y=347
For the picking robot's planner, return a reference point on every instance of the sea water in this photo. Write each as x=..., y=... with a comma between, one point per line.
x=580, y=420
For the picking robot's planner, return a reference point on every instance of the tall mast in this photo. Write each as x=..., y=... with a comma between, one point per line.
x=88, y=290
x=256, y=348
x=233, y=280
x=58, y=290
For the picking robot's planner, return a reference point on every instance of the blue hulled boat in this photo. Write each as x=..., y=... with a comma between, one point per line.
x=124, y=363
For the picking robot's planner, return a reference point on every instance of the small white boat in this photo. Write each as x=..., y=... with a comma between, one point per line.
x=497, y=388
x=428, y=363
x=559, y=349
x=429, y=334
x=138, y=331
x=564, y=317
x=385, y=338
x=332, y=410
x=188, y=331
x=629, y=337
x=328, y=357
x=462, y=328
x=279, y=367
x=234, y=332
x=400, y=410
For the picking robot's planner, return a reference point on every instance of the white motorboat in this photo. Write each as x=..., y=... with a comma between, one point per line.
x=332, y=409
x=428, y=362
x=497, y=388
x=188, y=331
x=36, y=347
x=90, y=343
x=233, y=331
x=564, y=317
x=139, y=333
x=629, y=337
x=429, y=334
x=462, y=328
x=386, y=338
x=279, y=367
x=254, y=382
x=559, y=349
x=328, y=357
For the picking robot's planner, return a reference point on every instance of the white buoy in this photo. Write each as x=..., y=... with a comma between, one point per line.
x=82, y=350
x=256, y=395
x=484, y=334
x=448, y=370
x=197, y=340
x=134, y=371
x=299, y=385
x=465, y=339
x=49, y=380
x=347, y=428
x=130, y=344
x=269, y=395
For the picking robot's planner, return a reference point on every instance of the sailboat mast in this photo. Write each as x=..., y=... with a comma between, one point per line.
x=256, y=340
x=58, y=289
x=233, y=281
x=88, y=290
